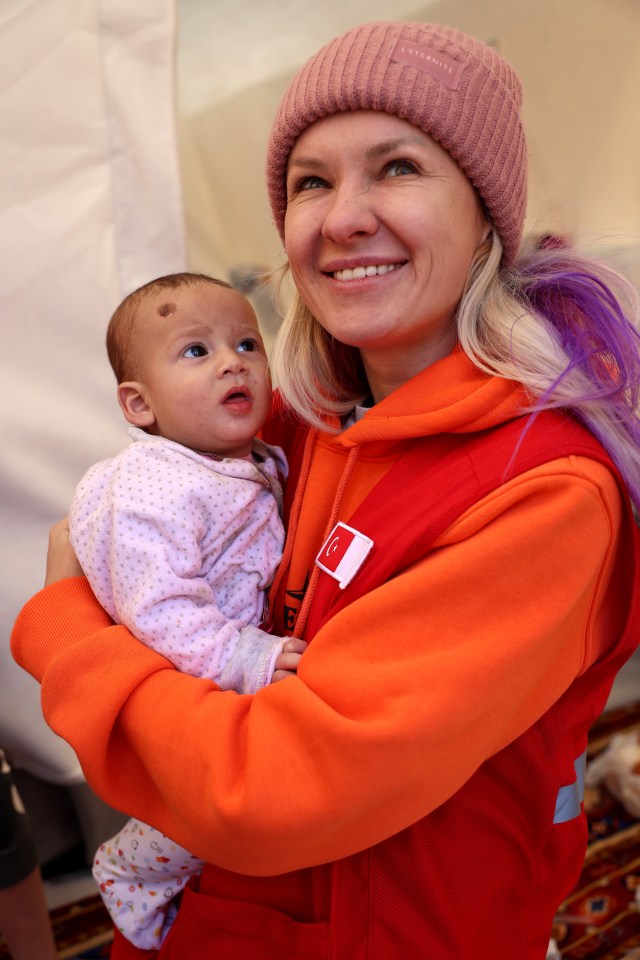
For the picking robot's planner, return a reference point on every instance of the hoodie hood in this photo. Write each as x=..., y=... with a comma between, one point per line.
x=450, y=396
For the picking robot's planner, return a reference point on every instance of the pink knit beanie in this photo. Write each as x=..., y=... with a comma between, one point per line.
x=446, y=82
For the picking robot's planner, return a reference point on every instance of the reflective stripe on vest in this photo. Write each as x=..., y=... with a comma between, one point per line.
x=569, y=801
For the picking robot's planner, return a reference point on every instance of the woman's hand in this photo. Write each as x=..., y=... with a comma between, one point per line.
x=61, y=559
x=287, y=662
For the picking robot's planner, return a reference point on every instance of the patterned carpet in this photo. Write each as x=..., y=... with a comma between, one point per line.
x=599, y=921
x=81, y=930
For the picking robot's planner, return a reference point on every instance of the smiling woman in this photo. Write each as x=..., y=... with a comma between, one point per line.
x=380, y=230
x=462, y=427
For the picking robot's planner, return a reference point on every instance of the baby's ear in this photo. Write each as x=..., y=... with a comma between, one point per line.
x=134, y=405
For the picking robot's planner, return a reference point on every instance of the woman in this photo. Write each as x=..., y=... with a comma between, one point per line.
x=463, y=564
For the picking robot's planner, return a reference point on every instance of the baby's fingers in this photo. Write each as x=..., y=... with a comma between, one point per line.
x=294, y=645
x=287, y=661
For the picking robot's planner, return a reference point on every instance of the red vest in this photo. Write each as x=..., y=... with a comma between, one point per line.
x=480, y=877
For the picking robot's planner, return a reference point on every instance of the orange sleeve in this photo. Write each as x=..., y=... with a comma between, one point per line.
x=397, y=701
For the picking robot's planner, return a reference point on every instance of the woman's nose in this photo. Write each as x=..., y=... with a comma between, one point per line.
x=351, y=214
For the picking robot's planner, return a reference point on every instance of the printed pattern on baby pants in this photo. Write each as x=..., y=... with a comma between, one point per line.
x=139, y=873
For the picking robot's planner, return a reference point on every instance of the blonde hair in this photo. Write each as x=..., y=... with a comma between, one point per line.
x=320, y=377
x=563, y=325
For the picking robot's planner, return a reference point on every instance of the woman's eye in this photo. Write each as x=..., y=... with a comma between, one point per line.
x=247, y=346
x=400, y=168
x=309, y=183
x=194, y=350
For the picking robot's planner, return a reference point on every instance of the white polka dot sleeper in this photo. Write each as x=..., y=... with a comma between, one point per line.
x=180, y=547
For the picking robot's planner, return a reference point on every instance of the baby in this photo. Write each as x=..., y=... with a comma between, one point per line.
x=180, y=534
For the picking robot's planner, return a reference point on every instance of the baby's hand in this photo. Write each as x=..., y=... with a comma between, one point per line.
x=61, y=560
x=287, y=662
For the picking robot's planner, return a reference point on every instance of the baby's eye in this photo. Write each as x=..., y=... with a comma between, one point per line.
x=247, y=346
x=194, y=350
x=400, y=168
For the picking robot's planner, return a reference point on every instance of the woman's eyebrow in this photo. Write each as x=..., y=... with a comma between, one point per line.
x=375, y=150
x=305, y=162
x=389, y=146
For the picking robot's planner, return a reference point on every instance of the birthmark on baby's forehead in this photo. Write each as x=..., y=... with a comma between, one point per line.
x=166, y=308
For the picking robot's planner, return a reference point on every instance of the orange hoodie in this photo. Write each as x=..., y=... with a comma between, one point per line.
x=400, y=697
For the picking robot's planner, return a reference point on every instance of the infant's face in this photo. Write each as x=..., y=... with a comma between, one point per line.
x=204, y=368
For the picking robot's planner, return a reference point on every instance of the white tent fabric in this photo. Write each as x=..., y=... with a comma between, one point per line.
x=132, y=142
x=90, y=207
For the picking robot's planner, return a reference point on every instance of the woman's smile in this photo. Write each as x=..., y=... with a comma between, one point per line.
x=362, y=273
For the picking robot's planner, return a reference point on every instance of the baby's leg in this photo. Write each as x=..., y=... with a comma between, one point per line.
x=139, y=873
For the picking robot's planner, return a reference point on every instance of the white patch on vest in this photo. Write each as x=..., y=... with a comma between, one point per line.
x=343, y=553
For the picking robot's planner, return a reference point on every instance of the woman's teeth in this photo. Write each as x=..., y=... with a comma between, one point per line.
x=359, y=273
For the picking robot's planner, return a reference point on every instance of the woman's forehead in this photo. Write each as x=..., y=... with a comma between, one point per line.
x=341, y=129
x=368, y=135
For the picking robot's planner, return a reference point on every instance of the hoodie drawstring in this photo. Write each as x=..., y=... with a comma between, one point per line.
x=294, y=514
x=301, y=620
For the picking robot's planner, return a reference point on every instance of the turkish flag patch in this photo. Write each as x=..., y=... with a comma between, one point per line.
x=343, y=553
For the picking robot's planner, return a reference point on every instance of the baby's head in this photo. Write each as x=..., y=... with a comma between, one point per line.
x=190, y=363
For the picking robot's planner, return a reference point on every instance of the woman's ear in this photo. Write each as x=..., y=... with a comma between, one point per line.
x=134, y=405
